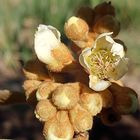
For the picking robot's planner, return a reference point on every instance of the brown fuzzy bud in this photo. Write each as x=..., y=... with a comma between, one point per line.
x=30, y=86
x=45, y=110
x=66, y=96
x=109, y=117
x=91, y=102
x=82, y=136
x=107, y=98
x=106, y=24
x=125, y=99
x=76, y=28
x=87, y=14
x=80, y=118
x=104, y=8
x=45, y=89
x=36, y=70
x=59, y=127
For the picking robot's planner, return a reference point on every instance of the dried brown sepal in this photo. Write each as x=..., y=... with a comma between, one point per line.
x=125, y=99
x=106, y=24
x=59, y=127
x=107, y=98
x=45, y=110
x=81, y=119
x=76, y=28
x=109, y=117
x=36, y=70
x=45, y=90
x=66, y=96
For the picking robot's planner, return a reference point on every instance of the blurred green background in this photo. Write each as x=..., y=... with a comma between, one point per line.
x=19, y=20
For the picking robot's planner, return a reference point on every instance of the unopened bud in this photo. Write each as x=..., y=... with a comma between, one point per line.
x=45, y=110
x=80, y=118
x=66, y=96
x=45, y=90
x=107, y=24
x=76, y=28
x=59, y=128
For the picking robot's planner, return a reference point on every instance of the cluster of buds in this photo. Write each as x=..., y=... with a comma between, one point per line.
x=68, y=94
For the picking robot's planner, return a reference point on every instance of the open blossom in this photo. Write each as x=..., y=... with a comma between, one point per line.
x=105, y=61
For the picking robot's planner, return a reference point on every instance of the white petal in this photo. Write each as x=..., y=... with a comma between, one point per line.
x=46, y=38
x=85, y=53
x=104, y=41
x=98, y=85
x=118, y=49
x=120, y=69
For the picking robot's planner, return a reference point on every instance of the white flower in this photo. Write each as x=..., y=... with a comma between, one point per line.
x=105, y=61
x=46, y=39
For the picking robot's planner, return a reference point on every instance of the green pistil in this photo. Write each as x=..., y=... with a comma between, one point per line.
x=101, y=62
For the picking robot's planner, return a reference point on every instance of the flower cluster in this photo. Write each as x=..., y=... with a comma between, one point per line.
x=68, y=91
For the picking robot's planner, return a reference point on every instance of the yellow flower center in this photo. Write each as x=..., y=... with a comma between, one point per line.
x=101, y=63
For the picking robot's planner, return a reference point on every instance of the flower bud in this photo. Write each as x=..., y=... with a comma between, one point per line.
x=104, y=8
x=107, y=98
x=80, y=118
x=30, y=86
x=58, y=128
x=66, y=96
x=76, y=28
x=45, y=90
x=107, y=24
x=125, y=99
x=87, y=14
x=109, y=117
x=36, y=70
x=45, y=110
x=91, y=102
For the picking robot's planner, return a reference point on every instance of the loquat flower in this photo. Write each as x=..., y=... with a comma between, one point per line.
x=104, y=61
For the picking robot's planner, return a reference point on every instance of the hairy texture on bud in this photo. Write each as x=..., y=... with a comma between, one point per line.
x=66, y=96
x=76, y=28
x=106, y=24
x=80, y=118
x=45, y=90
x=91, y=102
x=36, y=70
x=58, y=128
x=107, y=98
x=45, y=110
